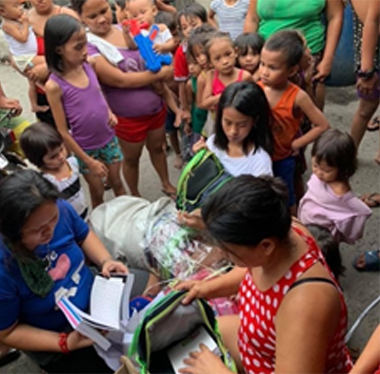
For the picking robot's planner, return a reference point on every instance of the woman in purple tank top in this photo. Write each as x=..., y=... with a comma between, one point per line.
x=76, y=100
x=140, y=111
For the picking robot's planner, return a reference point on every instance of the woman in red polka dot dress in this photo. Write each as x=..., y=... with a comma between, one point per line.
x=292, y=313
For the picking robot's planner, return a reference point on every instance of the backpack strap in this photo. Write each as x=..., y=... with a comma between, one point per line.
x=311, y=280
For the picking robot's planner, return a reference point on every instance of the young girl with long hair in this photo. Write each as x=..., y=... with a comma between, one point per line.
x=77, y=103
x=242, y=139
x=222, y=56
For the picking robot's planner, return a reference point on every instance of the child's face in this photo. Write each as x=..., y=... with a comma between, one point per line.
x=236, y=125
x=323, y=171
x=97, y=15
x=176, y=37
x=188, y=24
x=274, y=70
x=249, y=62
x=55, y=158
x=143, y=11
x=74, y=51
x=200, y=56
x=194, y=68
x=222, y=56
x=11, y=9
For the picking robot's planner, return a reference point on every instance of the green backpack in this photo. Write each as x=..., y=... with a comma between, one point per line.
x=167, y=323
x=202, y=176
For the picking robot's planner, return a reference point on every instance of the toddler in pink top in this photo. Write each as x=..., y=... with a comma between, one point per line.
x=329, y=201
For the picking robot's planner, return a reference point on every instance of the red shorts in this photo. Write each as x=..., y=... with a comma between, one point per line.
x=135, y=130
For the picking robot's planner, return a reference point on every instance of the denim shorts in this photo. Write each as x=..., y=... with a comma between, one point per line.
x=285, y=169
x=109, y=154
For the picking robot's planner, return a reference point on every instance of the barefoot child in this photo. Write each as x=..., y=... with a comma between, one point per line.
x=22, y=44
x=43, y=146
x=280, y=59
x=76, y=100
x=248, y=47
x=222, y=56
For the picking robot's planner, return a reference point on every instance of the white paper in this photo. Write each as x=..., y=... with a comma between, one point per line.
x=106, y=298
x=183, y=349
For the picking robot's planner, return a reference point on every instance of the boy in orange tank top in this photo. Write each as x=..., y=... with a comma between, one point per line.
x=280, y=59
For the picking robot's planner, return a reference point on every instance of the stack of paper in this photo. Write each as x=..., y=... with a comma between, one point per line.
x=109, y=308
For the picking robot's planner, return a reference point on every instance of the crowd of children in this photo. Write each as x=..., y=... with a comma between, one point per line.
x=244, y=98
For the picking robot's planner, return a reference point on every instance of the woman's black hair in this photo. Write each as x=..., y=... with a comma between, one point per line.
x=20, y=194
x=249, y=40
x=338, y=150
x=249, y=99
x=247, y=210
x=58, y=31
x=329, y=248
x=200, y=37
x=191, y=11
x=37, y=140
x=290, y=43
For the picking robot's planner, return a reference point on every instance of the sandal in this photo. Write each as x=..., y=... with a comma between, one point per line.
x=370, y=261
x=172, y=195
x=371, y=199
x=374, y=125
x=9, y=356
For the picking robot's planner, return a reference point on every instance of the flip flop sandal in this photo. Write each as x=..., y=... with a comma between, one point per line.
x=375, y=124
x=9, y=357
x=371, y=261
x=172, y=195
x=370, y=201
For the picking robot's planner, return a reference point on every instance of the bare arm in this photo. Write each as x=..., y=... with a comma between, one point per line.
x=161, y=5
x=54, y=97
x=28, y=338
x=252, y=20
x=369, y=360
x=301, y=346
x=223, y=286
x=114, y=77
x=201, y=83
x=317, y=118
x=334, y=13
x=18, y=31
x=209, y=101
x=211, y=18
x=370, y=35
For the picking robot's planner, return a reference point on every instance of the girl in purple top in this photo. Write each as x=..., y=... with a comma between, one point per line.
x=126, y=84
x=77, y=103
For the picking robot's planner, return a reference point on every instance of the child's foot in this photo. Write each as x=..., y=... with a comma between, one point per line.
x=40, y=108
x=178, y=162
x=367, y=261
x=377, y=158
x=371, y=199
x=374, y=125
x=169, y=191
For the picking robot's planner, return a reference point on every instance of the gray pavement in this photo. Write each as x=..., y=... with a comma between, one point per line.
x=359, y=288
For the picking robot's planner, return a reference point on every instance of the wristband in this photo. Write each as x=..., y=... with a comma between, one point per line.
x=63, y=342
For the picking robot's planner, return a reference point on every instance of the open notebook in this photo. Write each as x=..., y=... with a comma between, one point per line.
x=109, y=308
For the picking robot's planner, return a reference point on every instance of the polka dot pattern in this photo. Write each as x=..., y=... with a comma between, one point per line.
x=258, y=309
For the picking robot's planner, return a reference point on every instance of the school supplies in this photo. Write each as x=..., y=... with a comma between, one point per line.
x=201, y=177
x=169, y=323
x=109, y=308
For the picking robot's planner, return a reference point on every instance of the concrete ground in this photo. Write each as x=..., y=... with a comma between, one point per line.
x=359, y=288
